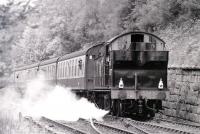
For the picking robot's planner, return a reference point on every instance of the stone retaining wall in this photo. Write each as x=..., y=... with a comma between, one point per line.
x=183, y=99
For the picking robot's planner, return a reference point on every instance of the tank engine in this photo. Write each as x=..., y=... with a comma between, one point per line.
x=126, y=75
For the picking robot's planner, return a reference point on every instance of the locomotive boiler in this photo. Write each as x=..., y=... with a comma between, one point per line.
x=126, y=74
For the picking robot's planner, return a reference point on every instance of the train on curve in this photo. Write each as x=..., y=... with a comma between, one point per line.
x=126, y=74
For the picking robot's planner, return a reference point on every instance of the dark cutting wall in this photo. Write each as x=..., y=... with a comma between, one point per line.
x=183, y=100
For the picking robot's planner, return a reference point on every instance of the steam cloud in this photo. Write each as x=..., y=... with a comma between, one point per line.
x=54, y=102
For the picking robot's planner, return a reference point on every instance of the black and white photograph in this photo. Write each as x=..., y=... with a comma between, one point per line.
x=99, y=66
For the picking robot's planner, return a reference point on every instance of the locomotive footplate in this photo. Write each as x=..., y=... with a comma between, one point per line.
x=135, y=94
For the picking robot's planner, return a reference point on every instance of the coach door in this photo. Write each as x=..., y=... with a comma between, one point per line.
x=90, y=72
x=106, y=67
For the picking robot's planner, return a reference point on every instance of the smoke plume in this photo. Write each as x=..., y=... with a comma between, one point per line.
x=54, y=102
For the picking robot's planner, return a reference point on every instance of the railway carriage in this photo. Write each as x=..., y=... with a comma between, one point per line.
x=126, y=75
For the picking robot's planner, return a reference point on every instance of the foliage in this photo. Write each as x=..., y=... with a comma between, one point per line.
x=12, y=19
x=53, y=28
x=151, y=15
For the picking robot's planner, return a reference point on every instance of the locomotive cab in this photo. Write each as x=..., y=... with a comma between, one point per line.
x=139, y=60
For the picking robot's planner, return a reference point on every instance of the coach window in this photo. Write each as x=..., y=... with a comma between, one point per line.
x=58, y=66
x=75, y=67
x=29, y=74
x=68, y=72
x=83, y=68
x=61, y=69
x=50, y=72
x=69, y=69
x=53, y=70
x=17, y=76
x=80, y=64
x=64, y=69
x=72, y=68
x=47, y=73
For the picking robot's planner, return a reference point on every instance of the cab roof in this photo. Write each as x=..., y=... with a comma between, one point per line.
x=133, y=32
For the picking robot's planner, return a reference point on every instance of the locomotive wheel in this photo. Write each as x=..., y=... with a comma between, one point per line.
x=113, y=107
x=106, y=102
x=119, y=108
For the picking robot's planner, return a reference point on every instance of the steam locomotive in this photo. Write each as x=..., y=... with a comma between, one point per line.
x=126, y=74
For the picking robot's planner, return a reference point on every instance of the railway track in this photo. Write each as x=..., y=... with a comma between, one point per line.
x=157, y=128
x=69, y=128
x=97, y=127
x=115, y=125
x=104, y=128
x=180, y=125
x=39, y=125
x=192, y=125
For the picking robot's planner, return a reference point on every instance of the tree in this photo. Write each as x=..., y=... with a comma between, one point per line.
x=12, y=17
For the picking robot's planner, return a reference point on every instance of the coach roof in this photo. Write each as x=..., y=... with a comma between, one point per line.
x=57, y=59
